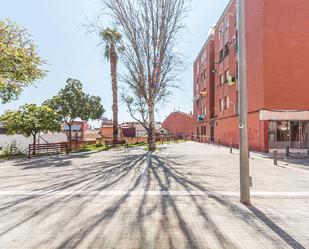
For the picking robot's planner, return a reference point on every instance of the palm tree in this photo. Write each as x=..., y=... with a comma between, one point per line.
x=112, y=40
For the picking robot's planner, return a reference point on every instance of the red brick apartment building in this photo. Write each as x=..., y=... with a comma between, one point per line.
x=179, y=123
x=277, y=34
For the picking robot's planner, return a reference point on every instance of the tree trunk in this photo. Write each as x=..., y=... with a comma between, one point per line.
x=151, y=132
x=113, y=64
x=34, y=144
x=70, y=137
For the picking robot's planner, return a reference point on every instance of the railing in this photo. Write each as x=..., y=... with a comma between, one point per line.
x=48, y=148
x=172, y=137
x=110, y=142
x=205, y=139
x=213, y=140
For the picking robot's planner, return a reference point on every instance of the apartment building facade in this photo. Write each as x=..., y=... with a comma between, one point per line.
x=203, y=91
x=277, y=41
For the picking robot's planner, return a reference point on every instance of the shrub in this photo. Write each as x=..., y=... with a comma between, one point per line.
x=12, y=149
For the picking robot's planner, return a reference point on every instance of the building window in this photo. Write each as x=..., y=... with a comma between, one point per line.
x=220, y=30
x=204, y=130
x=221, y=104
x=226, y=49
x=221, y=79
x=204, y=112
x=227, y=74
x=224, y=52
x=221, y=55
x=227, y=21
x=236, y=43
x=226, y=30
x=227, y=102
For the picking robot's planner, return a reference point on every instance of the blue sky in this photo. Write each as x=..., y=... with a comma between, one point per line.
x=57, y=29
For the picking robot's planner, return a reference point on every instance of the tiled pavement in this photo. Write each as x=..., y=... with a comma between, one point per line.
x=182, y=196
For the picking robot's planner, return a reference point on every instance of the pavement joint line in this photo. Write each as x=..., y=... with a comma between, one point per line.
x=209, y=194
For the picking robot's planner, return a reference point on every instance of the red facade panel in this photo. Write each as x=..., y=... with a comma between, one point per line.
x=286, y=54
x=179, y=123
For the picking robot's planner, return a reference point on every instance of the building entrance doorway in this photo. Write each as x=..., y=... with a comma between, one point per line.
x=295, y=134
x=212, y=133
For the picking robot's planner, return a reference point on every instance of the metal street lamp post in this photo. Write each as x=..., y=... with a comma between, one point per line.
x=243, y=104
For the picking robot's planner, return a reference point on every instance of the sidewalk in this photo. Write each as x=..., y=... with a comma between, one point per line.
x=184, y=196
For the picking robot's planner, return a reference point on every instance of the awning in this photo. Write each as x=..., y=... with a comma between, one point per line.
x=279, y=115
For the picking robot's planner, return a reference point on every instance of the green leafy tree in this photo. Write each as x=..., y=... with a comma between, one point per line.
x=112, y=41
x=20, y=63
x=72, y=103
x=30, y=120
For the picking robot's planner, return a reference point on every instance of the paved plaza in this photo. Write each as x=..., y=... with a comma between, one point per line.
x=181, y=196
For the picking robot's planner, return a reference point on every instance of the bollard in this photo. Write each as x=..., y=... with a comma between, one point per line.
x=219, y=142
x=287, y=151
x=308, y=152
x=231, y=148
x=249, y=153
x=275, y=152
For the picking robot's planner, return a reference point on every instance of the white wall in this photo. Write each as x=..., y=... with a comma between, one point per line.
x=23, y=142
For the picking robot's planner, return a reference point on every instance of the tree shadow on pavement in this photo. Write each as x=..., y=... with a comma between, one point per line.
x=48, y=161
x=168, y=167
x=94, y=178
x=301, y=162
x=127, y=173
x=168, y=174
x=274, y=227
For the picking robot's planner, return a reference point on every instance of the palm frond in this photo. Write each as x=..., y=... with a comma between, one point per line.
x=107, y=51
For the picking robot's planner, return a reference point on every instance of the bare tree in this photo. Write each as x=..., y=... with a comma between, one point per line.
x=149, y=30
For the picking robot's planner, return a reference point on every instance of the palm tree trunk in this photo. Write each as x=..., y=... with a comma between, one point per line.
x=113, y=64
